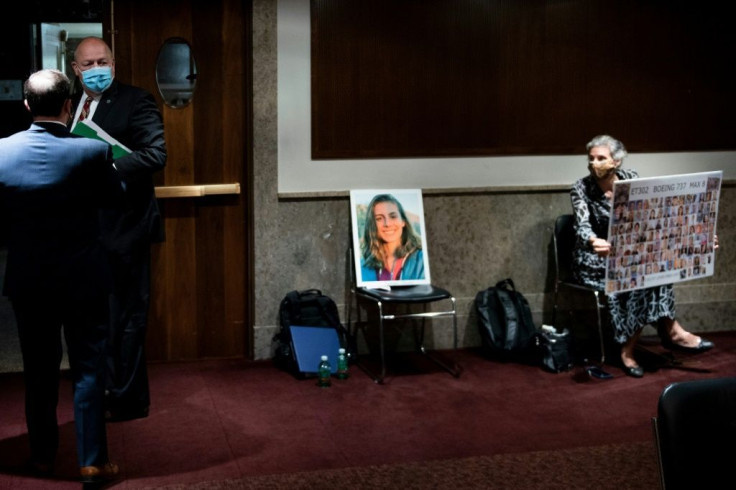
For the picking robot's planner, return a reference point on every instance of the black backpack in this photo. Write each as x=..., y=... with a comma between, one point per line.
x=308, y=308
x=505, y=322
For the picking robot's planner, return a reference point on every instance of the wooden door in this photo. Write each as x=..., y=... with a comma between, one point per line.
x=201, y=295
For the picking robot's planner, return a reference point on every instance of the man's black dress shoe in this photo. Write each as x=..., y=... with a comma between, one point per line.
x=634, y=372
x=702, y=346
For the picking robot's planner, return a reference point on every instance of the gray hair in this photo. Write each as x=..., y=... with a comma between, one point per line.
x=618, y=151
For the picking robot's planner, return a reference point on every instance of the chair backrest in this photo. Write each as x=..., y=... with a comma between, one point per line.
x=564, y=241
x=696, y=433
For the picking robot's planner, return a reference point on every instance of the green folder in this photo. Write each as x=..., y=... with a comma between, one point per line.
x=89, y=129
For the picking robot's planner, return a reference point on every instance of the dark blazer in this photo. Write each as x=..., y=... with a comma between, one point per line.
x=130, y=115
x=52, y=185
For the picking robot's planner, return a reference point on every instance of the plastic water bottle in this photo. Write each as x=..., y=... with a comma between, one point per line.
x=324, y=372
x=342, y=364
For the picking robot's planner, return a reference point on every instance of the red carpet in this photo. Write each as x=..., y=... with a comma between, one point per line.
x=238, y=424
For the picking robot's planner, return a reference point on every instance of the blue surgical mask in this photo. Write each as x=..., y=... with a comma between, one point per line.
x=97, y=79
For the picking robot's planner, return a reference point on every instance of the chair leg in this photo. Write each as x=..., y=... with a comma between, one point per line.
x=658, y=446
x=381, y=341
x=378, y=378
x=454, y=323
x=454, y=371
x=420, y=343
x=419, y=333
x=600, y=327
x=360, y=325
x=598, y=371
x=349, y=312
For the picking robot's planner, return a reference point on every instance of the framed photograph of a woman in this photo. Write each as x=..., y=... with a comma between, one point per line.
x=389, y=243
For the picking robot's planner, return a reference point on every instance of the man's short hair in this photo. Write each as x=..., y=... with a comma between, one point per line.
x=46, y=91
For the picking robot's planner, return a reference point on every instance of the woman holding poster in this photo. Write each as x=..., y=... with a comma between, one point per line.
x=630, y=311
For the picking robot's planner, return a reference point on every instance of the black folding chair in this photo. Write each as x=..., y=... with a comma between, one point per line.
x=694, y=434
x=409, y=297
x=564, y=241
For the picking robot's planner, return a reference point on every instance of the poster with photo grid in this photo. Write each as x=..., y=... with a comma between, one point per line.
x=662, y=230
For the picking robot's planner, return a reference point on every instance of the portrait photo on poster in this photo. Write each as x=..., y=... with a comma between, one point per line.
x=389, y=239
x=662, y=230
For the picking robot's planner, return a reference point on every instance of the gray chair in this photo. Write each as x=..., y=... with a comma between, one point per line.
x=695, y=434
x=408, y=297
x=563, y=240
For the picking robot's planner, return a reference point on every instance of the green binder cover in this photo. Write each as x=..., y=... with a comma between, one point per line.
x=89, y=129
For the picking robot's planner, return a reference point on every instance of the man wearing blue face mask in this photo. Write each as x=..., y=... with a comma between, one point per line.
x=130, y=115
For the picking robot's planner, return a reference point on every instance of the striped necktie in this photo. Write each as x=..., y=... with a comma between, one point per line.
x=85, y=109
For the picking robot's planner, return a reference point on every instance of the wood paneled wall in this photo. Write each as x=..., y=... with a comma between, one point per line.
x=501, y=77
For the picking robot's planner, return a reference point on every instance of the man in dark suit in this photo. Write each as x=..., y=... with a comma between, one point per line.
x=131, y=116
x=52, y=187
